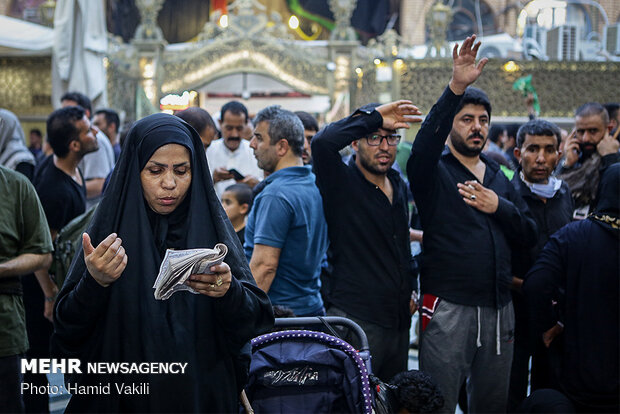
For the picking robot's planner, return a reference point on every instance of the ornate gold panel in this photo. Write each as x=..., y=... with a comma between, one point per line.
x=561, y=86
x=25, y=85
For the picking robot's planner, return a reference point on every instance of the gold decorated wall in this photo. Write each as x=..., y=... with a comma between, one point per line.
x=25, y=85
x=561, y=86
x=25, y=89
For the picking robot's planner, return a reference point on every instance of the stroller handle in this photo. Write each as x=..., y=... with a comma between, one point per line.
x=327, y=321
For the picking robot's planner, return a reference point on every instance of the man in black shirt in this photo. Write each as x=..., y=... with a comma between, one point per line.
x=365, y=204
x=61, y=189
x=550, y=202
x=59, y=183
x=471, y=216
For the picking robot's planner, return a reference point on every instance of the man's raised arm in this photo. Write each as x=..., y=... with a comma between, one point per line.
x=430, y=140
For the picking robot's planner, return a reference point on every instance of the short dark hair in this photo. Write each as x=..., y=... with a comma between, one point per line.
x=197, y=117
x=234, y=107
x=80, y=99
x=308, y=121
x=475, y=96
x=243, y=193
x=417, y=392
x=512, y=130
x=61, y=129
x=593, y=108
x=36, y=131
x=612, y=109
x=538, y=127
x=111, y=117
x=495, y=131
x=283, y=124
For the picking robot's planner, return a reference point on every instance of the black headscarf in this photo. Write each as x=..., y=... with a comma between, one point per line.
x=169, y=230
x=609, y=191
x=124, y=323
x=607, y=212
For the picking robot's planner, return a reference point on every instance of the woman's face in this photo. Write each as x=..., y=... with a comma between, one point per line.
x=166, y=177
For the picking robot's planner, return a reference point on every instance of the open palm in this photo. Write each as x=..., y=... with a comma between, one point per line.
x=465, y=71
x=399, y=114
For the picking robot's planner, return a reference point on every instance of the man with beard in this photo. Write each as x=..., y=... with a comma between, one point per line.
x=365, y=204
x=232, y=152
x=62, y=190
x=472, y=216
x=551, y=204
x=286, y=234
x=589, y=151
x=95, y=165
x=311, y=127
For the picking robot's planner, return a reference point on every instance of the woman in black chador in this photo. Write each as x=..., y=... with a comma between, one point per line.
x=160, y=197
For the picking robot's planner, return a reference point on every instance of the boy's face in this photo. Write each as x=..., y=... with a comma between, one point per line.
x=233, y=209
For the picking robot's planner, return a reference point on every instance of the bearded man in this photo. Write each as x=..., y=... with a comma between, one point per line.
x=365, y=204
x=589, y=151
x=472, y=217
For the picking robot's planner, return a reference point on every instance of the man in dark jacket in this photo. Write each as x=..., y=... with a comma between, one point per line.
x=471, y=216
x=551, y=204
x=580, y=266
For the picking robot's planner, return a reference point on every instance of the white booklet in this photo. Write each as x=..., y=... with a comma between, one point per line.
x=179, y=265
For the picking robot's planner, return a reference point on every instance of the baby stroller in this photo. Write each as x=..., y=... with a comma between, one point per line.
x=303, y=371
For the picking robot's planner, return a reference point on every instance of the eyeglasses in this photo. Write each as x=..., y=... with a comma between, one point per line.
x=375, y=140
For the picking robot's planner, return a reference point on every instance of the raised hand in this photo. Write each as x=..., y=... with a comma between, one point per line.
x=106, y=262
x=399, y=114
x=608, y=145
x=464, y=68
x=571, y=149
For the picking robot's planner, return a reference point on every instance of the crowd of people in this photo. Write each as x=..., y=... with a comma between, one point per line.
x=518, y=275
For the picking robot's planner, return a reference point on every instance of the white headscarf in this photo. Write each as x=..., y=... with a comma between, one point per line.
x=13, y=150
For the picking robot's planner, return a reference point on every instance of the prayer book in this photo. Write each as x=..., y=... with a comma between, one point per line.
x=179, y=265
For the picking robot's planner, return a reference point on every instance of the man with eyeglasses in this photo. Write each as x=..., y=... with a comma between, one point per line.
x=472, y=217
x=365, y=205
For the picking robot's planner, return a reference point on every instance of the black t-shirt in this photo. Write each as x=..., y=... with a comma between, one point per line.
x=61, y=197
x=241, y=235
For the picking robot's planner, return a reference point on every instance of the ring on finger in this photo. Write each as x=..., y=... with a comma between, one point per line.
x=218, y=281
x=472, y=197
x=212, y=285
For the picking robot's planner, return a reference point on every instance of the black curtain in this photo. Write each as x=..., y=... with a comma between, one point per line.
x=369, y=17
x=180, y=20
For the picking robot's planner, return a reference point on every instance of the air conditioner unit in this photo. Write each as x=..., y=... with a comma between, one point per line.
x=563, y=43
x=612, y=39
x=537, y=33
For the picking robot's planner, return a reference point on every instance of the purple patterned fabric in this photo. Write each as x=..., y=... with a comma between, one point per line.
x=330, y=341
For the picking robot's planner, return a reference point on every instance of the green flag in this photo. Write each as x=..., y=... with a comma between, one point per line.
x=524, y=85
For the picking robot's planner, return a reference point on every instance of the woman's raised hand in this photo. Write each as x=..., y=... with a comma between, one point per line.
x=106, y=262
x=215, y=285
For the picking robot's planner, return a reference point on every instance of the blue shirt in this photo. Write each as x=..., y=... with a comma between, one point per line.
x=288, y=214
